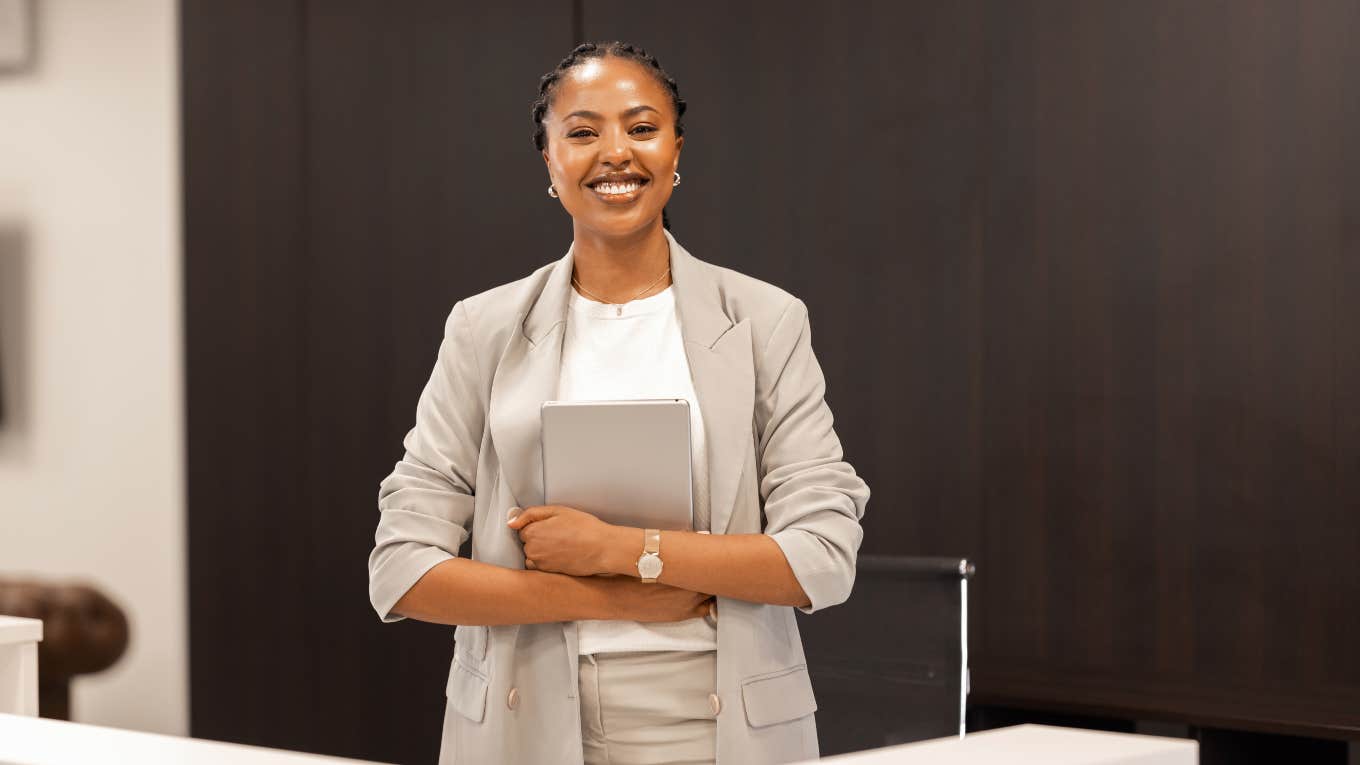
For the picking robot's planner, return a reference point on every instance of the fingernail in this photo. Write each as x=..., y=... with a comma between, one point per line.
x=512, y=514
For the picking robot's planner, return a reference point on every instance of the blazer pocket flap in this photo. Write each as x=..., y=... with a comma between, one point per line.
x=466, y=691
x=778, y=697
x=472, y=642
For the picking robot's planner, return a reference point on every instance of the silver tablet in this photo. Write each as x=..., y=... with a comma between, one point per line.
x=625, y=462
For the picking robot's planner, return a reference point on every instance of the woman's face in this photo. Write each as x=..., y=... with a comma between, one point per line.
x=611, y=145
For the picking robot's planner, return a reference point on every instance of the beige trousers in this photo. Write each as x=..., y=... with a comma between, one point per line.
x=649, y=707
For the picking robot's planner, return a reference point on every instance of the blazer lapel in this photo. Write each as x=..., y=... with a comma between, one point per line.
x=723, y=370
x=526, y=377
x=720, y=362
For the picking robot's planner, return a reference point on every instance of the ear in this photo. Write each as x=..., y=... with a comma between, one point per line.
x=545, y=158
x=679, y=144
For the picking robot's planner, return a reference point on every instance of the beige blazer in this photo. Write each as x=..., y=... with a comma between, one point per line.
x=775, y=467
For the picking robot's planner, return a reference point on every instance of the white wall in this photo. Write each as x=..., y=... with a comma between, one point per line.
x=91, y=462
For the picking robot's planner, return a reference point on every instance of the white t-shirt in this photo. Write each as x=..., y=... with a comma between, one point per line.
x=637, y=353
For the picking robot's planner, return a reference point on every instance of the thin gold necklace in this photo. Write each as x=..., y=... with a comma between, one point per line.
x=618, y=307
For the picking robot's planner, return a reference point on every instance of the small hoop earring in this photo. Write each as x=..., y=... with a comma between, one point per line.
x=552, y=191
x=676, y=182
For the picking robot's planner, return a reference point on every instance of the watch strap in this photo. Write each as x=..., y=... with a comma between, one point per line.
x=651, y=548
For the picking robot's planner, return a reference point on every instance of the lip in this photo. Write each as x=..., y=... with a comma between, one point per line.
x=618, y=177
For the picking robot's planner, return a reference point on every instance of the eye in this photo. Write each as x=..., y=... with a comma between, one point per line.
x=642, y=130
x=580, y=133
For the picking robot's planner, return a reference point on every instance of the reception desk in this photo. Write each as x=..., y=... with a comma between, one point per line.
x=35, y=741
x=1033, y=745
x=38, y=741
x=19, y=640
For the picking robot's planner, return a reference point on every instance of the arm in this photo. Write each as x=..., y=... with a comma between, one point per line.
x=748, y=567
x=462, y=591
x=426, y=506
x=813, y=501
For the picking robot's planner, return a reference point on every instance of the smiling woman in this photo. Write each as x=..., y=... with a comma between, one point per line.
x=581, y=641
x=614, y=101
x=608, y=123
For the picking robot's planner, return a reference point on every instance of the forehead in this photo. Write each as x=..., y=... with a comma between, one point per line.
x=608, y=85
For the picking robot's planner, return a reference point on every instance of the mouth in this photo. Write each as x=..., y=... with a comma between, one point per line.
x=619, y=189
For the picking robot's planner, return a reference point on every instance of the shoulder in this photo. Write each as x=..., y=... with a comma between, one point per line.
x=493, y=313
x=768, y=307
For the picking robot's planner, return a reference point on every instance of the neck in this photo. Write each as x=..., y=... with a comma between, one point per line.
x=615, y=268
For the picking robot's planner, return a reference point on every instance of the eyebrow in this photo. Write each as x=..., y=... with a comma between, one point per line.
x=597, y=116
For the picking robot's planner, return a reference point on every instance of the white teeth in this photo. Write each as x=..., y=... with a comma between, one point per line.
x=618, y=188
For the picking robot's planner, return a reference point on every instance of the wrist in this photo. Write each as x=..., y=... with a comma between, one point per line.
x=622, y=551
x=608, y=597
x=573, y=598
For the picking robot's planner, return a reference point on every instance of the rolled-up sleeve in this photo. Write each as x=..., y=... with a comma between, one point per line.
x=425, y=505
x=813, y=499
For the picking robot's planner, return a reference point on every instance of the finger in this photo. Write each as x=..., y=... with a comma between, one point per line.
x=531, y=515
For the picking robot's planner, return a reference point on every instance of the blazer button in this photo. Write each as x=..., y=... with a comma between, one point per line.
x=512, y=700
x=714, y=703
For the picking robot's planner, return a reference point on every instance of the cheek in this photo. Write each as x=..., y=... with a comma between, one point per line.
x=661, y=166
x=566, y=166
x=659, y=160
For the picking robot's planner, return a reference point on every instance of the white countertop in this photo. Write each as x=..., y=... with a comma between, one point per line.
x=1036, y=744
x=37, y=741
x=15, y=629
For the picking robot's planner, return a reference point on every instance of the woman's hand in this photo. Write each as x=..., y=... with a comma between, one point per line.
x=632, y=600
x=563, y=540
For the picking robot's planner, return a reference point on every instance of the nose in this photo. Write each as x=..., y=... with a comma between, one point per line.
x=614, y=150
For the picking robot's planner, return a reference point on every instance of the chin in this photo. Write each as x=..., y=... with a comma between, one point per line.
x=622, y=225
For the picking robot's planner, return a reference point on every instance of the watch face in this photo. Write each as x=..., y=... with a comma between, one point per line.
x=649, y=566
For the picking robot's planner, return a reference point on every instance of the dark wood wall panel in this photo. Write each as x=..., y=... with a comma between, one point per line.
x=1342, y=615
x=423, y=188
x=1108, y=252
x=250, y=639
x=1163, y=466
x=351, y=172
x=1082, y=228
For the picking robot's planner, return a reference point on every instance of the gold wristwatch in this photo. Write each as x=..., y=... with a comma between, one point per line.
x=649, y=565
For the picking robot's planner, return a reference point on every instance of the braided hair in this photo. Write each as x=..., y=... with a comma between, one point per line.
x=547, y=86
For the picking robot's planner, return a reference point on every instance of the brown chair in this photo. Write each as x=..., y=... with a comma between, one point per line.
x=83, y=632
